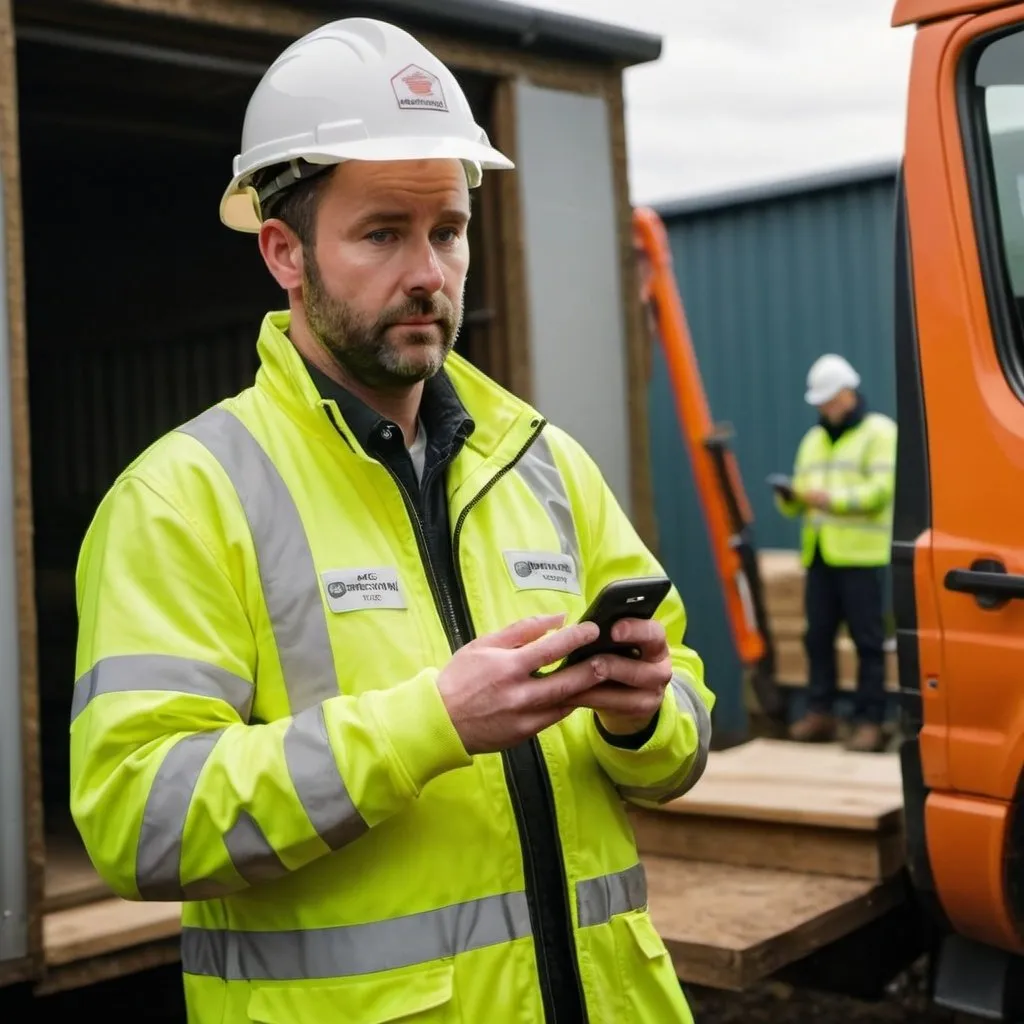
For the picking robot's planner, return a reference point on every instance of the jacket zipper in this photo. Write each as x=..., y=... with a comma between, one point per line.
x=517, y=805
x=446, y=613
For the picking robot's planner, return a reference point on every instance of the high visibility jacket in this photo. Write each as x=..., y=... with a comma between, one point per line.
x=857, y=471
x=257, y=729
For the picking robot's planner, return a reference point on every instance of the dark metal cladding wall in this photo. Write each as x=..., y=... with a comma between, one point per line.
x=770, y=280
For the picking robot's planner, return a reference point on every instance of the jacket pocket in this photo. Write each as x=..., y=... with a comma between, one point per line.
x=646, y=936
x=370, y=1000
x=651, y=988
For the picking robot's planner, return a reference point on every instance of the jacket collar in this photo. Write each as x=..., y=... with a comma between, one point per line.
x=501, y=421
x=854, y=418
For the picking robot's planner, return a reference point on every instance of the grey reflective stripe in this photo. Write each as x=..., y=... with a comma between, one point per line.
x=598, y=900
x=688, y=775
x=251, y=853
x=540, y=473
x=823, y=465
x=165, y=673
x=854, y=522
x=315, y=775
x=357, y=949
x=291, y=587
x=881, y=467
x=158, y=860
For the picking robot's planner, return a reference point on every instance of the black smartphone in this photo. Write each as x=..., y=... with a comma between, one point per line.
x=783, y=485
x=623, y=599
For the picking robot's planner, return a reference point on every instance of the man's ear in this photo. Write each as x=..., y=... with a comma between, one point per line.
x=282, y=253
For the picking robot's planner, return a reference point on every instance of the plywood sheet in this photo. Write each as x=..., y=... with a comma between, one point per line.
x=728, y=927
x=814, y=785
x=843, y=853
x=107, y=927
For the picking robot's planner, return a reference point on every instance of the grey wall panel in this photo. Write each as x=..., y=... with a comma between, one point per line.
x=13, y=883
x=577, y=323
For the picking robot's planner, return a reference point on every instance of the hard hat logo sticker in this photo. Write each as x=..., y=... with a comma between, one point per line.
x=418, y=89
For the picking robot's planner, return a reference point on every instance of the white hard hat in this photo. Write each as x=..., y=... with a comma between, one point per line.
x=829, y=375
x=355, y=89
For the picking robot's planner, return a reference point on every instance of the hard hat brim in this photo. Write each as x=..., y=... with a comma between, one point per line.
x=238, y=208
x=821, y=396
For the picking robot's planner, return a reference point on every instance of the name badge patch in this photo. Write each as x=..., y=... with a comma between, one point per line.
x=350, y=590
x=542, y=570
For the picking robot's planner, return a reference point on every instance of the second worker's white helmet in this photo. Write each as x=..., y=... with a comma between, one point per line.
x=355, y=89
x=829, y=375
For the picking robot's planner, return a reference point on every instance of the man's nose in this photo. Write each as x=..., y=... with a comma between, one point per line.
x=424, y=273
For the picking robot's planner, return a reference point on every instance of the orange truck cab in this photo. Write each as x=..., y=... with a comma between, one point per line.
x=958, y=554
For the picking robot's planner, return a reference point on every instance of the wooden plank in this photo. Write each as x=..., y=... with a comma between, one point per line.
x=281, y=22
x=729, y=927
x=799, y=803
x=13, y=972
x=107, y=927
x=637, y=340
x=12, y=229
x=842, y=853
x=813, y=785
x=825, y=764
x=71, y=880
x=79, y=973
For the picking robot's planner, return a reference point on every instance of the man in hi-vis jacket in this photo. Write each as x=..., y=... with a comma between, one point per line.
x=844, y=481
x=311, y=618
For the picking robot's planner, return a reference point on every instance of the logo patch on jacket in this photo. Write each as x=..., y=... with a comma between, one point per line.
x=350, y=590
x=542, y=570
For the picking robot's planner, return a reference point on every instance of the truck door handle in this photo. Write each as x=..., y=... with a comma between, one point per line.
x=989, y=582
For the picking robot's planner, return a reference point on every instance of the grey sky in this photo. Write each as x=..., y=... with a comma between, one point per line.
x=748, y=91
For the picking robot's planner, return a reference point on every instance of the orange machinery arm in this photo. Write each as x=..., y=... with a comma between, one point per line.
x=720, y=491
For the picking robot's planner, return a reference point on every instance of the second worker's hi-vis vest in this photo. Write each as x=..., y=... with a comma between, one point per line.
x=858, y=472
x=257, y=730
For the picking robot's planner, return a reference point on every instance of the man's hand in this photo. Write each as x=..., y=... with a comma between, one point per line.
x=817, y=499
x=492, y=697
x=631, y=689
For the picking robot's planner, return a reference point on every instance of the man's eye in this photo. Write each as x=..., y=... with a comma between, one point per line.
x=447, y=235
x=380, y=237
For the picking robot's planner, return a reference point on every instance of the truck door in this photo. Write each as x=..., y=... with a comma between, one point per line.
x=959, y=533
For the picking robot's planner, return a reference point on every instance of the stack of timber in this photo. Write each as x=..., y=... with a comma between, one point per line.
x=783, y=578
x=780, y=850
x=89, y=934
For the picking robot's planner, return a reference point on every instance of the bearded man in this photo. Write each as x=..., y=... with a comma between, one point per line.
x=308, y=700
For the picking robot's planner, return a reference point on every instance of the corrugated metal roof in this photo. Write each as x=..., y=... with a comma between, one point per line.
x=518, y=25
x=788, y=187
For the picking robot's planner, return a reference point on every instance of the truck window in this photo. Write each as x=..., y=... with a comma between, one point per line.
x=992, y=111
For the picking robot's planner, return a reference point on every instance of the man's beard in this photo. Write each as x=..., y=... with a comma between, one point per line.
x=363, y=349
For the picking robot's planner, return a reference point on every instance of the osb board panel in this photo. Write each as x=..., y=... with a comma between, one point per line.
x=814, y=785
x=18, y=362
x=107, y=927
x=290, y=20
x=843, y=853
x=728, y=927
